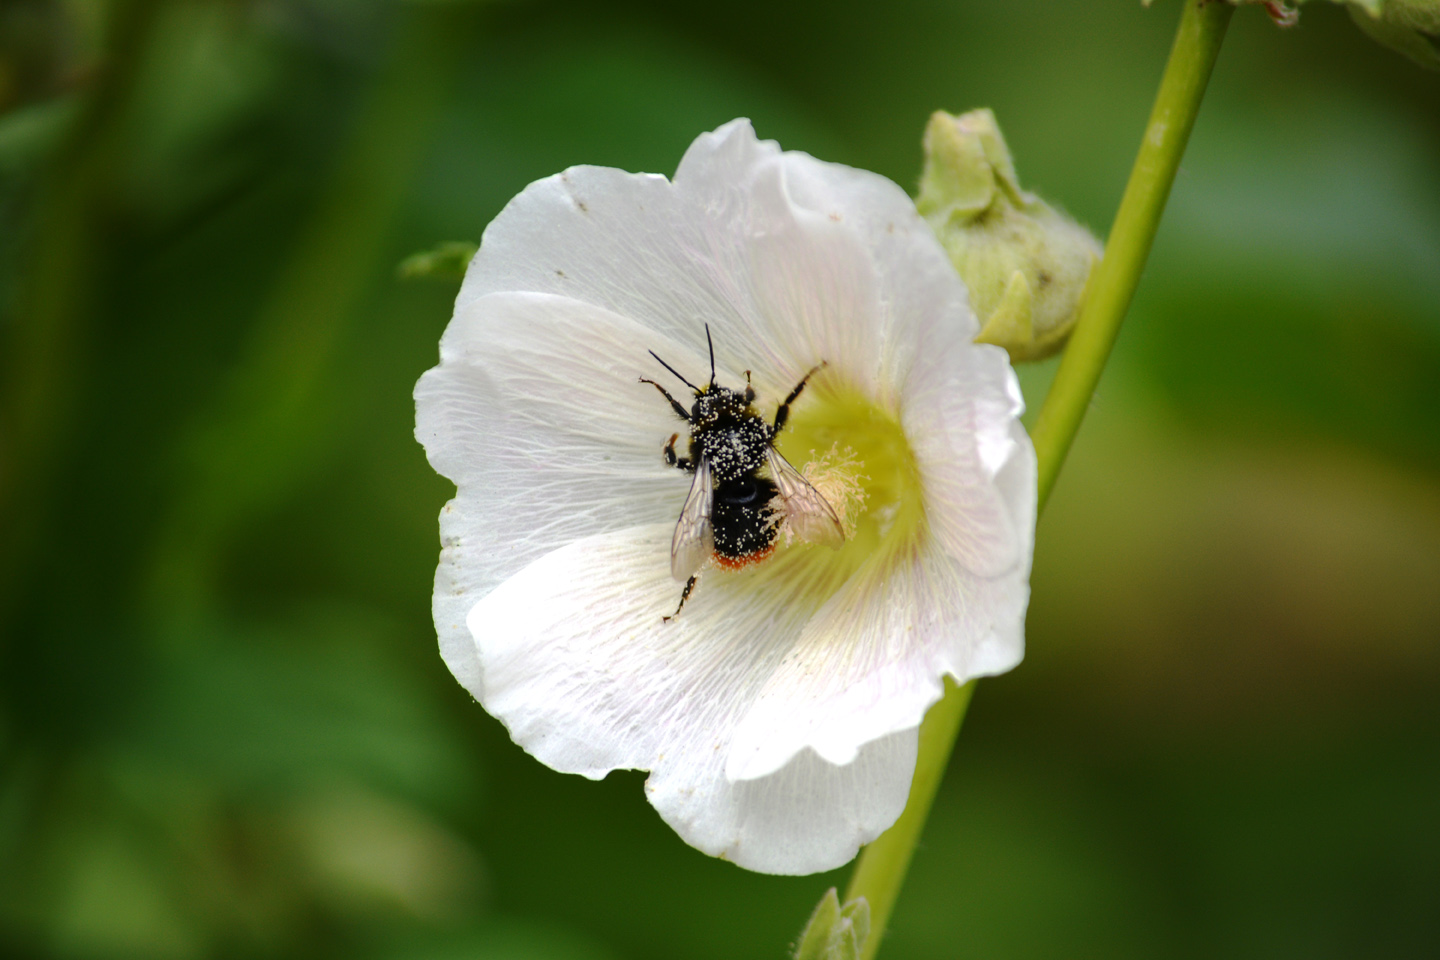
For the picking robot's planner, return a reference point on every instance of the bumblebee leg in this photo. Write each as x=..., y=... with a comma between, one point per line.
x=749, y=390
x=680, y=411
x=684, y=595
x=680, y=463
x=782, y=413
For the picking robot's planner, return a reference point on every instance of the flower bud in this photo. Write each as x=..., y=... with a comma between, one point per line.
x=1026, y=263
x=1410, y=26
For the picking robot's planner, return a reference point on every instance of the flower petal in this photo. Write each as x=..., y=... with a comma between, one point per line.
x=789, y=259
x=546, y=445
x=632, y=244
x=809, y=816
x=587, y=677
x=844, y=268
x=1002, y=648
x=804, y=275
x=960, y=410
x=870, y=662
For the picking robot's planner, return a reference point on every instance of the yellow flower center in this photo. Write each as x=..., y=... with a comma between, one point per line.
x=854, y=451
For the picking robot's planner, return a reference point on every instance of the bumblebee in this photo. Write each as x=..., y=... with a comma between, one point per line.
x=743, y=489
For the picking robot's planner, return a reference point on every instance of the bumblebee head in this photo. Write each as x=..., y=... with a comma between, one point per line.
x=712, y=400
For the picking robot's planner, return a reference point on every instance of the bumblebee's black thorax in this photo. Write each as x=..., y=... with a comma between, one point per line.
x=726, y=431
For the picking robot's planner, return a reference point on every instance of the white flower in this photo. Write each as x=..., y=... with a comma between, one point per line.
x=778, y=713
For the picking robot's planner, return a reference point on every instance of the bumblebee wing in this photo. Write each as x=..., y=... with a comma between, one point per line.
x=694, y=538
x=807, y=512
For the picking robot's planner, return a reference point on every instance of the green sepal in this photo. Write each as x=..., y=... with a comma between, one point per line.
x=1411, y=27
x=835, y=932
x=1010, y=323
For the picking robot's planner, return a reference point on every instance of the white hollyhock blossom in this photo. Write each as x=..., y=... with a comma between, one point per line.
x=778, y=713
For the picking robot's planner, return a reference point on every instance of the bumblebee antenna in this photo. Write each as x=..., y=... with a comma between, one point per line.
x=711, y=344
x=674, y=371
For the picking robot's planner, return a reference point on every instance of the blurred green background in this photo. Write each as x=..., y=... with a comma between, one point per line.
x=224, y=727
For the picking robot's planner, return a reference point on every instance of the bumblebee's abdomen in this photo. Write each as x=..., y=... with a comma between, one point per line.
x=742, y=519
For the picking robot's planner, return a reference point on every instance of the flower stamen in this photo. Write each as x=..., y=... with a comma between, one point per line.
x=867, y=473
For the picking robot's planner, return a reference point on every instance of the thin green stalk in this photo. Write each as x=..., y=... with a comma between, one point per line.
x=883, y=864
x=1197, y=43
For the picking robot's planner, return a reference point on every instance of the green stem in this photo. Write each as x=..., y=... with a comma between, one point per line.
x=1197, y=43
x=883, y=864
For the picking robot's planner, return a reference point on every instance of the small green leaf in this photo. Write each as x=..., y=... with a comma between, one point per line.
x=815, y=938
x=857, y=911
x=446, y=261
x=835, y=932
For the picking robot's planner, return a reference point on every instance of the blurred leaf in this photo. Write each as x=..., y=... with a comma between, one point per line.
x=501, y=940
x=29, y=134
x=1314, y=305
x=276, y=705
x=370, y=851
x=272, y=773
x=113, y=903
x=268, y=424
x=446, y=261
